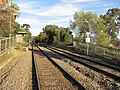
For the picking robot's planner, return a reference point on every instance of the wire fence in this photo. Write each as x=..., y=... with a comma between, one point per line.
x=6, y=44
x=106, y=51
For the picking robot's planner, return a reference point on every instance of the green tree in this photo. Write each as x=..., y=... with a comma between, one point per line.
x=42, y=37
x=4, y=21
x=36, y=38
x=112, y=22
x=52, y=32
x=83, y=22
x=66, y=36
x=88, y=22
x=56, y=35
x=26, y=26
x=8, y=16
x=27, y=37
x=17, y=28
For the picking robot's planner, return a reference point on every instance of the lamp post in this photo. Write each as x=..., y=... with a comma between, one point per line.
x=10, y=4
x=15, y=14
x=10, y=35
x=10, y=26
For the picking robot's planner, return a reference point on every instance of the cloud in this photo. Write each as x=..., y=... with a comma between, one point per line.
x=38, y=23
x=57, y=20
x=28, y=21
x=29, y=7
x=76, y=1
x=59, y=10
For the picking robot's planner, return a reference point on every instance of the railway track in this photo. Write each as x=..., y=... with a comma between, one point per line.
x=107, y=70
x=35, y=81
x=50, y=75
x=91, y=59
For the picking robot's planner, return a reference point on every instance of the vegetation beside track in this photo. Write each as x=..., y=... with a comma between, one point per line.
x=15, y=52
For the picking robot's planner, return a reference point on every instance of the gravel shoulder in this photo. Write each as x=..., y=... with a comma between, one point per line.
x=17, y=74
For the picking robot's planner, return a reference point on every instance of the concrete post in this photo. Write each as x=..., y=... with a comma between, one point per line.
x=5, y=43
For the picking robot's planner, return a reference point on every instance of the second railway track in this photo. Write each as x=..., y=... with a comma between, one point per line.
x=114, y=74
x=88, y=58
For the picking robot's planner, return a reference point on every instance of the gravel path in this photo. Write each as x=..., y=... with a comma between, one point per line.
x=17, y=74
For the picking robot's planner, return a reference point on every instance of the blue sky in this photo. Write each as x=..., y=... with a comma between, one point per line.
x=39, y=13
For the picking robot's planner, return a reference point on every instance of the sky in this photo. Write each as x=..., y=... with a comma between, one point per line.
x=39, y=13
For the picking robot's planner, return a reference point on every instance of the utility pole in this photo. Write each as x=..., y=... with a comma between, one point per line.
x=10, y=4
x=88, y=36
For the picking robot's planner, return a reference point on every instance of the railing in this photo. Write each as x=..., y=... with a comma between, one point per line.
x=6, y=44
x=106, y=51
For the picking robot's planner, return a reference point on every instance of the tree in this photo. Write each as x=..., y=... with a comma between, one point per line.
x=27, y=37
x=66, y=36
x=52, y=32
x=83, y=22
x=6, y=17
x=3, y=4
x=88, y=22
x=42, y=37
x=16, y=28
x=4, y=21
x=26, y=26
x=118, y=43
x=56, y=35
x=112, y=22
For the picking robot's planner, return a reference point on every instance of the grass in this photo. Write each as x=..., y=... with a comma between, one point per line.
x=5, y=57
x=9, y=55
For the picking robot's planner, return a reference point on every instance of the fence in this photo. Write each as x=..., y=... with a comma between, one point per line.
x=106, y=51
x=5, y=44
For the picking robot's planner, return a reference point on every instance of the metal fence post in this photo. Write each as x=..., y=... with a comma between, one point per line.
x=9, y=42
x=104, y=51
x=95, y=49
x=5, y=43
x=12, y=41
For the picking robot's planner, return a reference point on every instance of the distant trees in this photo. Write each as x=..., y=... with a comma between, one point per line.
x=52, y=34
x=66, y=36
x=26, y=26
x=42, y=36
x=27, y=37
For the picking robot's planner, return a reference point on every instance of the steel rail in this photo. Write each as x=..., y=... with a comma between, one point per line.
x=81, y=87
x=115, y=77
x=35, y=69
x=88, y=59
